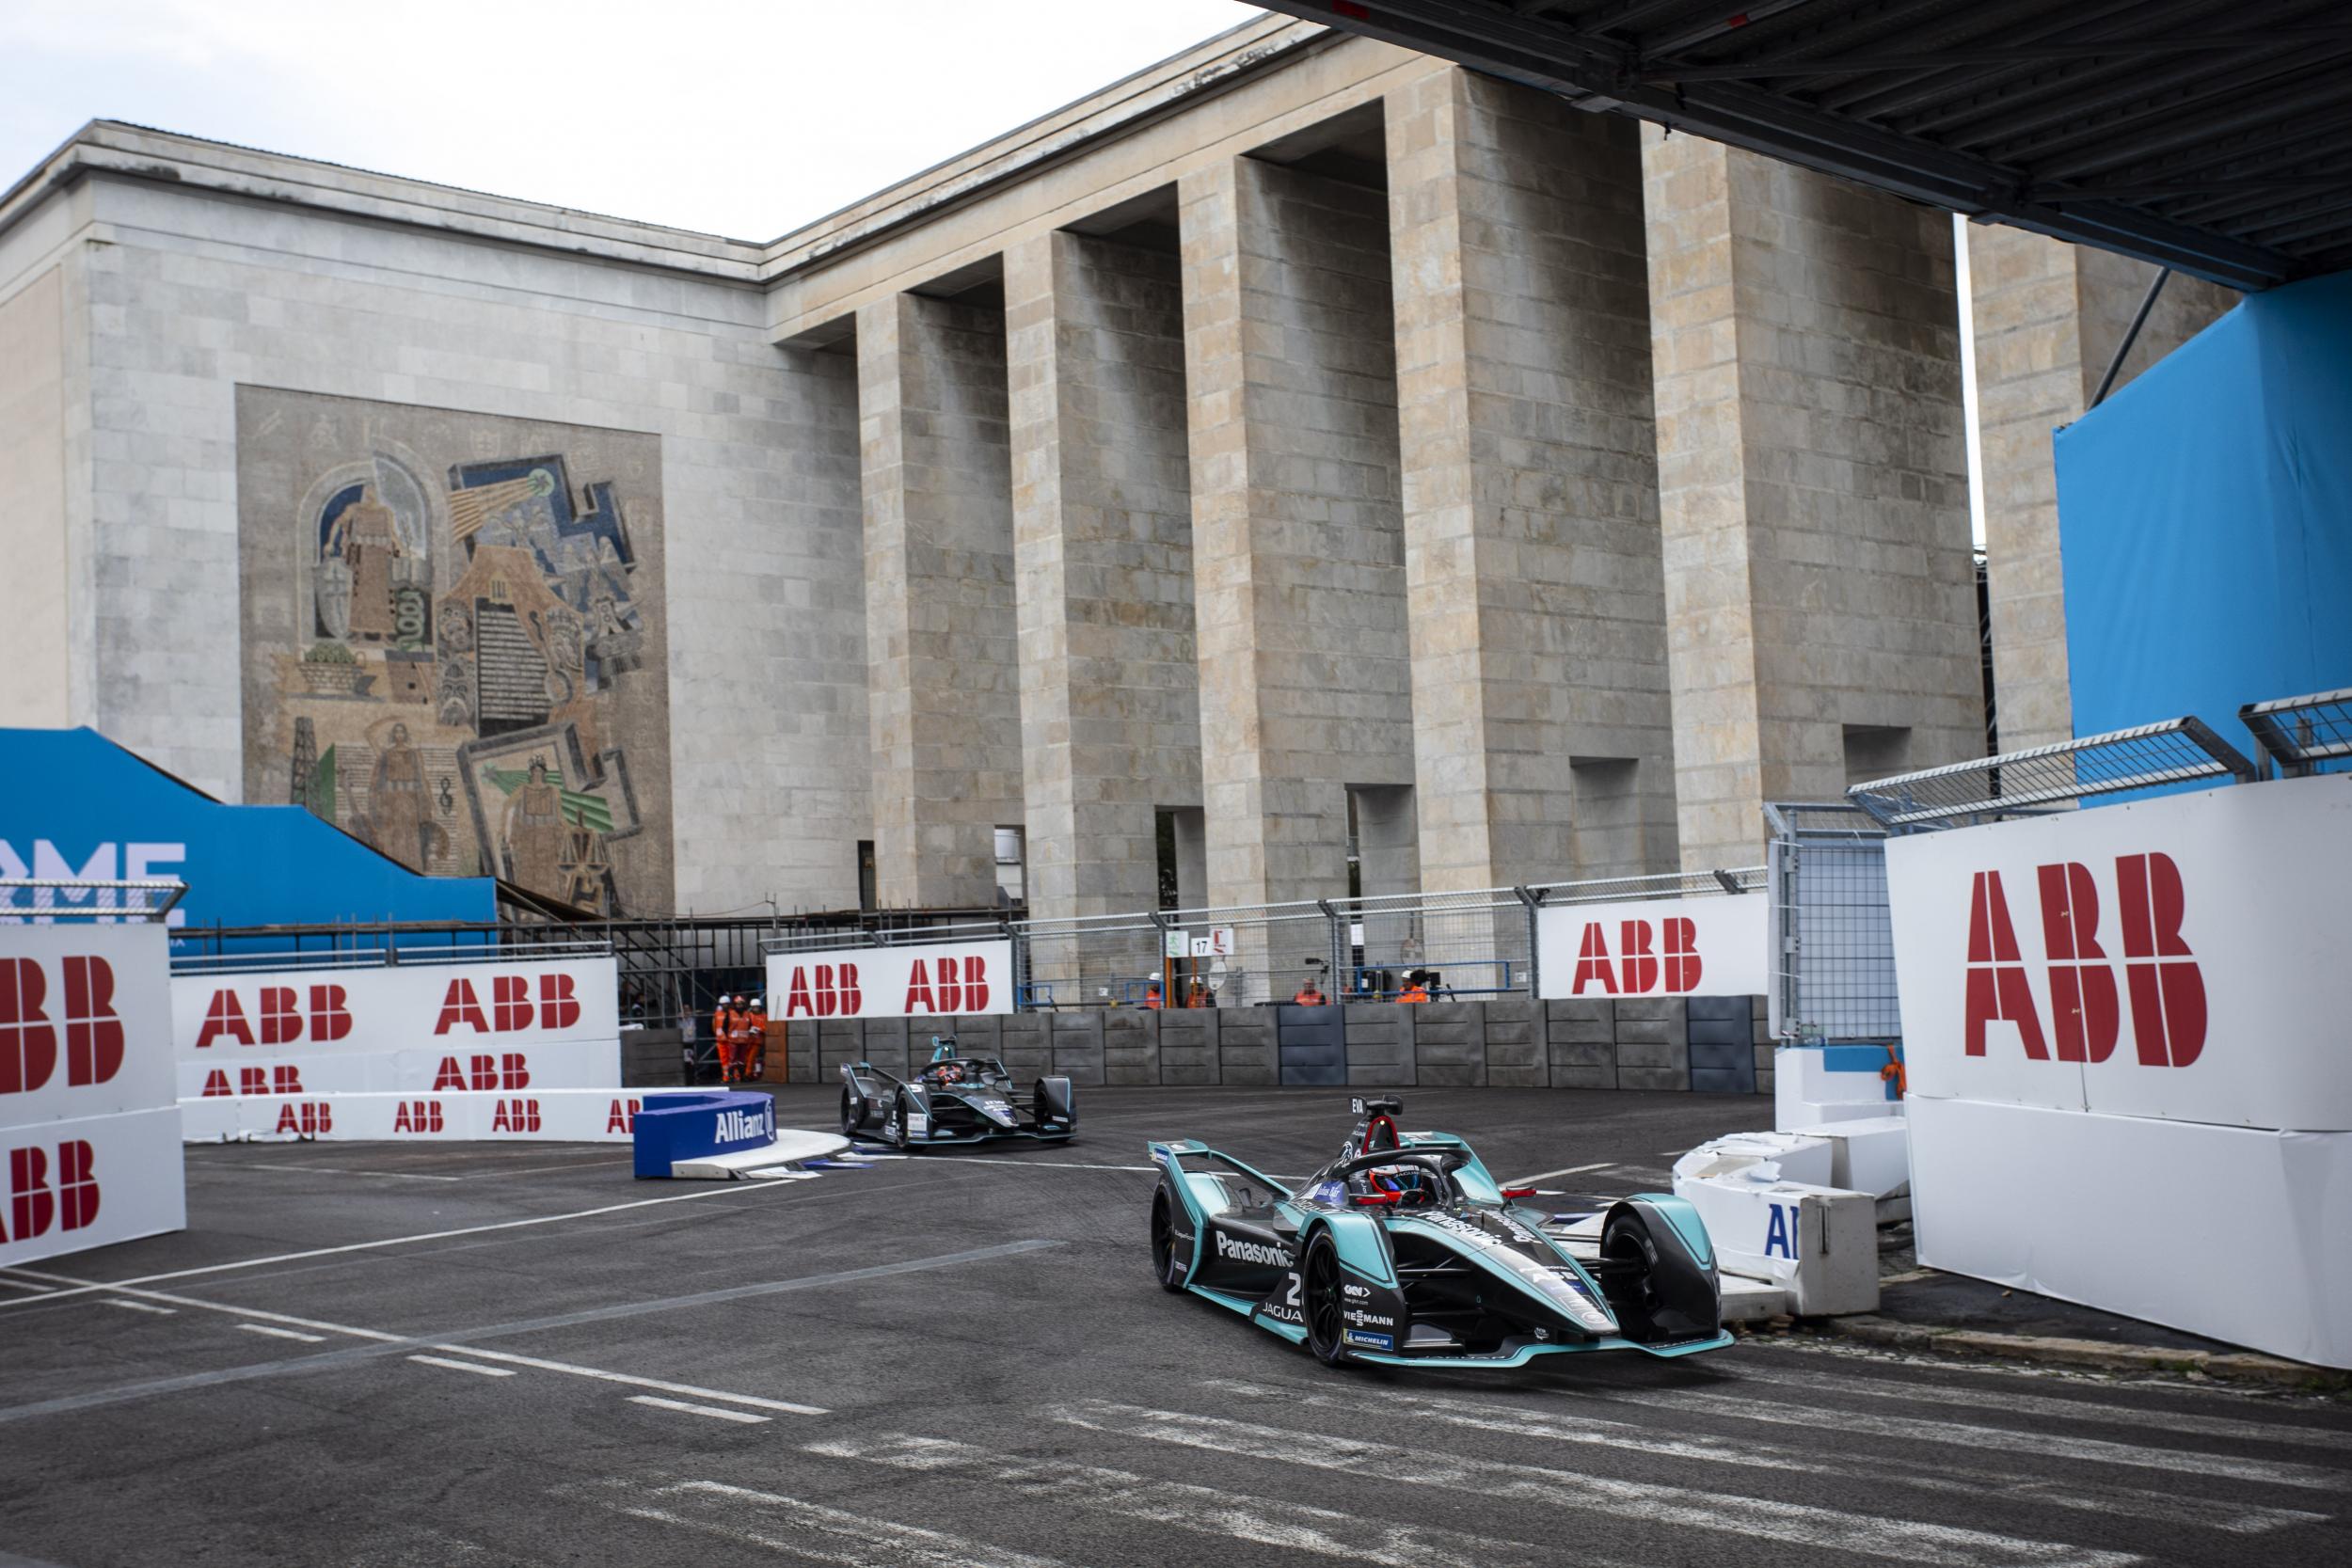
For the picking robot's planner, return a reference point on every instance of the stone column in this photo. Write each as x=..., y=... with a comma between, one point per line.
x=2048, y=318
x=1297, y=532
x=943, y=691
x=1299, y=553
x=1820, y=603
x=1102, y=548
x=1530, y=483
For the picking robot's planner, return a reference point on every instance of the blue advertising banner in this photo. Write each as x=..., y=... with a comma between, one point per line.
x=74, y=805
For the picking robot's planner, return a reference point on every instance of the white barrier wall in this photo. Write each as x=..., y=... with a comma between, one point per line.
x=2126, y=1034
x=934, y=981
x=1655, y=948
x=566, y=1116
x=89, y=1128
x=535, y=1025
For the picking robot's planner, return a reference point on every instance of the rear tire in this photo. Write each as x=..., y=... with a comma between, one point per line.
x=1168, y=1259
x=1326, y=1334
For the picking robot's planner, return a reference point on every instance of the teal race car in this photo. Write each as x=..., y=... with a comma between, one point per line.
x=1405, y=1252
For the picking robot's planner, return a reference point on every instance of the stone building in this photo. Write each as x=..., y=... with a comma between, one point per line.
x=1301, y=449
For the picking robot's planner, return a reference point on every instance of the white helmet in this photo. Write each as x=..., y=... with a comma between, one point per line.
x=725, y=999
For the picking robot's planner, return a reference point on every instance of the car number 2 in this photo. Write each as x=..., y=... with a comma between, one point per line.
x=1291, y=1297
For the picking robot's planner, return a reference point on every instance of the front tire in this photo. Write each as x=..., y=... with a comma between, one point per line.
x=1326, y=1334
x=1167, y=1257
x=851, y=1117
x=895, y=1130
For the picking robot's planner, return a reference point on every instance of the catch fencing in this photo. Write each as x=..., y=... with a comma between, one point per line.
x=49, y=901
x=1454, y=947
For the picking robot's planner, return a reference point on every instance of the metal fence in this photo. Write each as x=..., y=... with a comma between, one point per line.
x=1455, y=945
x=2150, y=756
x=2303, y=735
x=46, y=901
x=1833, y=942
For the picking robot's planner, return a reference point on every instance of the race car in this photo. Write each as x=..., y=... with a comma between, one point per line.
x=954, y=1100
x=1405, y=1252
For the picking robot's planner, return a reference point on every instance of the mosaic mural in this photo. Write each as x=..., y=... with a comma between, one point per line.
x=453, y=639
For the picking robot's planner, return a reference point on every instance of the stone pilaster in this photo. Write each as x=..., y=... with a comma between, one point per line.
x=943, y=690
x=1102, y=543
x=2048, y=316
x=1297, y=532
x=1529, y=484
x=1819, y=590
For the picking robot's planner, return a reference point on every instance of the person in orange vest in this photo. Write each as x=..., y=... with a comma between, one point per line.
x=1309, y=996
x=722, y=1031
x=755, y=1058
x=1416, y=987
x=1198, y=995
x=1152, y=995
x=750, y=1023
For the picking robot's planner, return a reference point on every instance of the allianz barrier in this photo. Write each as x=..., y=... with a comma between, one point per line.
x=675, y=1128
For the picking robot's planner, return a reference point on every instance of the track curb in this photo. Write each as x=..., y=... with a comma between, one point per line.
x=2085, y=1355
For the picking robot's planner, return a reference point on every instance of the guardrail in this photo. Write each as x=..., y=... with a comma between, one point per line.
x=389, y=955
x=46, y=900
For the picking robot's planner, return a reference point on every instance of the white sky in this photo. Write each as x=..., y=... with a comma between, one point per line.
x=735, y=117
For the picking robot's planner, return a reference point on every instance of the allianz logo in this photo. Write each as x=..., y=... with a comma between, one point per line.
x=1252, y=1252
x=735, y=1125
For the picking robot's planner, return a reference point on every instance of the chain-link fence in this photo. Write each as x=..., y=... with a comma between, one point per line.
x=45, y=901
x=1833, y=942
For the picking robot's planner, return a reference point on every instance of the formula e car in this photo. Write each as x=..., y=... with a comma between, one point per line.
x=954, y=1100
x=1403, y=1251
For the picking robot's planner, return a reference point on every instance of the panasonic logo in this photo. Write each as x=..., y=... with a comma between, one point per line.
x=1252, y=1252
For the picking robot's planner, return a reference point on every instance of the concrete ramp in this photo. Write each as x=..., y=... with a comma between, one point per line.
x=772, y=1163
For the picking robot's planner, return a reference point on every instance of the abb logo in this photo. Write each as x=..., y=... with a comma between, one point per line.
x=508, y=1071
x=510, y=1005
x=833, y=991
x=515, y=1116
x=417, y=1116
x=952, y=986
x=35, y=1019
x=2166, y=988
x=281, y=1078
x=307, y=1119
x=281, y=1022
x=622, y=1117
x=1639, y=966
x=37, y=1202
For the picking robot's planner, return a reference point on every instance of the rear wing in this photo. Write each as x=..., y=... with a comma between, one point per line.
x=1171, y=1154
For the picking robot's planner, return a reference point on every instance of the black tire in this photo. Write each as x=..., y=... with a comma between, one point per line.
x=895, y=1129
x=851, y=1119
x=1326, y=1329
x=1169, y=1261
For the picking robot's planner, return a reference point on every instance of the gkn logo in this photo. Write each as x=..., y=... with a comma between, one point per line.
x=2160, y=973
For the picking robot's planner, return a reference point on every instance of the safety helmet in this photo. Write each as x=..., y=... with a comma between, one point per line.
x=725, y=999
x=758, y=1004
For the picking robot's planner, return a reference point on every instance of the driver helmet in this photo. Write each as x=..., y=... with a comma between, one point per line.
x=950, y=1071
x=1410, y=1183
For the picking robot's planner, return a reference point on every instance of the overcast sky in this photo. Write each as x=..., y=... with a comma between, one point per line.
x=735, y=117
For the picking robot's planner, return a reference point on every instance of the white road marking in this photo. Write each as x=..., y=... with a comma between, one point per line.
x=1971, y=1435
x=732, y=1189
x=603, y=1376
x=1269, y=1521
x=26, y=1285
x=277, y=1332
x=1798, y=1524
x=138, y=1307
x=2071, y=1410
x=1939, y=1474
x=1542, y=1175
x=710, y=1410
x=829, y=1535
x=273, y=1167
x=461, y=1366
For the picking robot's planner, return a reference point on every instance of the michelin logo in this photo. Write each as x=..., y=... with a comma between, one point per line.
x=738, y=1126
x=1251, y=1252
x=1374, y=1341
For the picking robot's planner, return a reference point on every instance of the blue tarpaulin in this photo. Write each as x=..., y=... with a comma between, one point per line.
x=74, y=804
x=2205, y=520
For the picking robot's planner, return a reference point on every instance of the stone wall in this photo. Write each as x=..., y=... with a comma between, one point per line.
x=1708, y=1044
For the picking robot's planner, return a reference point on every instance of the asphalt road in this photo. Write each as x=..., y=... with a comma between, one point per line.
x=378, y=1355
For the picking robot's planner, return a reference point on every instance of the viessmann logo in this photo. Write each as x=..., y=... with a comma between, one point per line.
x=2160, y=973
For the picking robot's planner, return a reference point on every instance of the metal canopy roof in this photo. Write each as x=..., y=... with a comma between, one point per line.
x=2213, y=137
